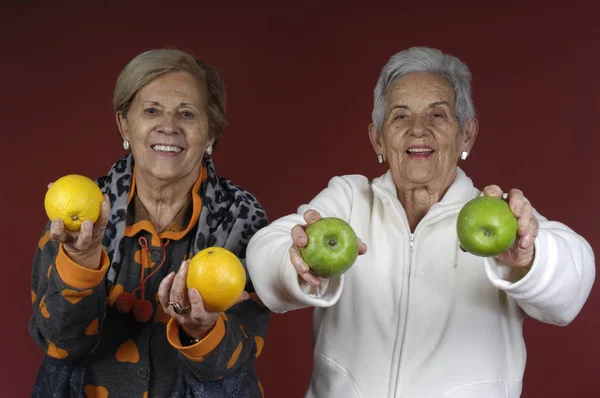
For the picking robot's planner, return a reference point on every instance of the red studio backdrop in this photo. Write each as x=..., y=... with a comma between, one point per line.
x=299, y=78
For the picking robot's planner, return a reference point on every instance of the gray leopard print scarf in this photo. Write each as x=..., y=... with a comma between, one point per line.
x=227, y=219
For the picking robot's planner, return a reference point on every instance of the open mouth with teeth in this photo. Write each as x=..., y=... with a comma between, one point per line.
x=167, y=148
x=419, y=152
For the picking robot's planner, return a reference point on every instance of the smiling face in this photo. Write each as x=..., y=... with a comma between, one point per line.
x=167, y=127
x=421, y=137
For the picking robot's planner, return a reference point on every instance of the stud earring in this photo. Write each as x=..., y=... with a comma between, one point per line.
x=126, y=145
x=209, y=150
x=464, y=155
x=379, y=158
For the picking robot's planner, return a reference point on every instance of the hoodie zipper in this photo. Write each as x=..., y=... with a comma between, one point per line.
x=411, y=247
x=394, y=386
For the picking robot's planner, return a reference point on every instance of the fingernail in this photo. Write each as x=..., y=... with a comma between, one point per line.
x=55, y=224
x=193, y=293
x=182, y=265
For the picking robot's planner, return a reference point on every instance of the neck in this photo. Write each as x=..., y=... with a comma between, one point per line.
x=164, y=199
x=417, y=199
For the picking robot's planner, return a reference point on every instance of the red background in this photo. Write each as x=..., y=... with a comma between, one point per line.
x=299, y=80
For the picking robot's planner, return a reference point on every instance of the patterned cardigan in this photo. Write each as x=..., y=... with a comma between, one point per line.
x=98, y=344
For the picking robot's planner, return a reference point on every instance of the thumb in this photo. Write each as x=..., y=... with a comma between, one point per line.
x=245, y=296
x=362, y=247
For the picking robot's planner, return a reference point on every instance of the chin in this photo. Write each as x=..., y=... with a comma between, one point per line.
x=420, y=176
x=164, y=174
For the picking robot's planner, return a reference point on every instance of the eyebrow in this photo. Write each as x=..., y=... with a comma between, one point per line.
x=158, y=103
x=438, y=103
x=432, y=105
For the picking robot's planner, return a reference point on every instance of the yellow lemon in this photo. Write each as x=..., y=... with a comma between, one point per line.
x=73, y=199
x=218, y=275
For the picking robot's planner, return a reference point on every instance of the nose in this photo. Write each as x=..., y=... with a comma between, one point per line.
x=419, y=126
x=168, y=124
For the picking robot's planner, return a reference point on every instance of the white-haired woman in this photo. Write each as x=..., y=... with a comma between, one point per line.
x=416, y=316
x=110, y=305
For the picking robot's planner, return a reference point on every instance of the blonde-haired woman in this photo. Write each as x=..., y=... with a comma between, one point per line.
x=111, y=309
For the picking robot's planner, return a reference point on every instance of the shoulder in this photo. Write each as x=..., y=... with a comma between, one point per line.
x=238, y=197
x=355, y=182
x=236, y=193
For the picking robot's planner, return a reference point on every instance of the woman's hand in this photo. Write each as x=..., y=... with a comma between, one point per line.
x=300, y=240
x=84, y=247
x=195, y=320
x=522, y=252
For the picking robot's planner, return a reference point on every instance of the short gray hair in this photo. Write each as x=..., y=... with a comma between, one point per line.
x=149, y=65
x=424, y=59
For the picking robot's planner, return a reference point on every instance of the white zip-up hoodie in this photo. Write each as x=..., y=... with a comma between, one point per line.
x=415, y=316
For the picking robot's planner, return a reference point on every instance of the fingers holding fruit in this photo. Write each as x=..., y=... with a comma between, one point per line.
x=301, y=267
x=73, y=199
x=324, y=248
x=79, y=213
x=300, y=239
x=499, y=225
x=528, y=225
x=210, y=283
x=185, y=306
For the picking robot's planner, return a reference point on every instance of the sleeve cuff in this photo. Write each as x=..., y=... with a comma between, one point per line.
x=196, y=352
x=77, y=276
x=528, y=285
x=325, y=295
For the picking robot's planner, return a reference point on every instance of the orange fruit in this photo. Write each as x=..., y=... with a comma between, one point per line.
x=218, y=275
x=73, y=199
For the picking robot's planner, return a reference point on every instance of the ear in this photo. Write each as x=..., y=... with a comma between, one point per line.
x=122, y=125
x=470, y=134
x=376, y=140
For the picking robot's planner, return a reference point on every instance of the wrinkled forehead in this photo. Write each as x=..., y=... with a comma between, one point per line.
x=420, y=87
x=173, y=87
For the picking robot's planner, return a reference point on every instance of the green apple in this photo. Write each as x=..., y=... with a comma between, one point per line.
x=486, y=226
x=332, y=247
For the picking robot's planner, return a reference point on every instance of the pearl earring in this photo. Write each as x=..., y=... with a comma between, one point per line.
x=464, y=155
x=209, y=150
x=126, y=145
x=379, y=158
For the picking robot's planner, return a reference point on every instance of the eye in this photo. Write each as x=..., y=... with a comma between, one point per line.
x=401, y=117
x=187, y=114
x=437, y=115
x=151, y=111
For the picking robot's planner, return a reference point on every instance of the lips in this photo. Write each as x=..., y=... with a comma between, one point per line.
x=419, y=152
x=167, y=148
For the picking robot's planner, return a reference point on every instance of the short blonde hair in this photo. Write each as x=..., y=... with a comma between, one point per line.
x=148, y=65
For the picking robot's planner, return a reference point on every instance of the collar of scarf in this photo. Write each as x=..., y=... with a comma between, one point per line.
x=229, y=215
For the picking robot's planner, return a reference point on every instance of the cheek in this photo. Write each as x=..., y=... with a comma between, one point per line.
x=453, y=142
x=136, y=130
x=198, y=136
x=392, y=142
